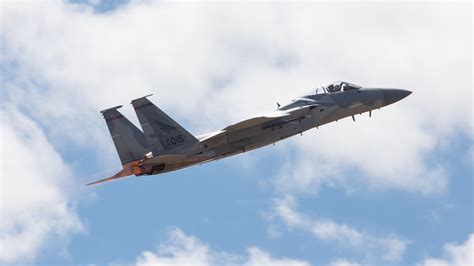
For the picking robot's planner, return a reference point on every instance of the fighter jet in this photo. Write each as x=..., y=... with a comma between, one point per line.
x=164, y=145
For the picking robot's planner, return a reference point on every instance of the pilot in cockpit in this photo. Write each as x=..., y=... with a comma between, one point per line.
x=333, y=87
x=341, y=86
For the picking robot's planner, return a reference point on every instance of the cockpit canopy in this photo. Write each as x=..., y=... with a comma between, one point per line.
x=341, y=86
x=330, y=88
x=333, y=87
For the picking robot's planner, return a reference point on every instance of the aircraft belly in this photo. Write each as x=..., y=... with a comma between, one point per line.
x=185, y=163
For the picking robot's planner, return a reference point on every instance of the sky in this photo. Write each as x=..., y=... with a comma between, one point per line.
x=393, y=189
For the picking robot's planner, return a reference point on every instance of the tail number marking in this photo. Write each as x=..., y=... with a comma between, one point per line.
x=174, y=140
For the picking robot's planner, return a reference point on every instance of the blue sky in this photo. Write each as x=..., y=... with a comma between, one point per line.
x=394, y=189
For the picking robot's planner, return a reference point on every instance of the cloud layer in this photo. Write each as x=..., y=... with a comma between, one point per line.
x=212, y=64
x=237, y=60
x=455, y=255
x=182, y=249
x=375, y=248
x=36, y=200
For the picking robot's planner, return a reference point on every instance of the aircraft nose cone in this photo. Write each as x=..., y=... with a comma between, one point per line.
x=394, y=95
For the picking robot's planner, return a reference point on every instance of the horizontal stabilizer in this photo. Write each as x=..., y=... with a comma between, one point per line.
x=123, y=173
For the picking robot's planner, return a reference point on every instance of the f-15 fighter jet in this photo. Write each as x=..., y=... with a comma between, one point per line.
x=165, y=146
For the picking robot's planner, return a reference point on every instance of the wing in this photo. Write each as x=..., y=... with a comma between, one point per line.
x=255, y=121
x=280, y=117
x=219, y=137
x=289, y=114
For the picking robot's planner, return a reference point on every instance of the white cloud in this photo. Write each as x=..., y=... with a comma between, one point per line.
x=36, y=204
x=375, y=248
x=236, y=60
x=343, y=262
x=181, y=249
x=380, y=152
x=456, y=255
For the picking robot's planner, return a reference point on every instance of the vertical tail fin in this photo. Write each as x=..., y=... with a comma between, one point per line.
x=161, y=131
x=128, y=139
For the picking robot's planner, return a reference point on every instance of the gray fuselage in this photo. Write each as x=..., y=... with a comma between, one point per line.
x=164, y=145
x=304, y=113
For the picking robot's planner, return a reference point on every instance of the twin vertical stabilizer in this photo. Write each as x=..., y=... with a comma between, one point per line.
x=129, y=141
x=162, y=133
